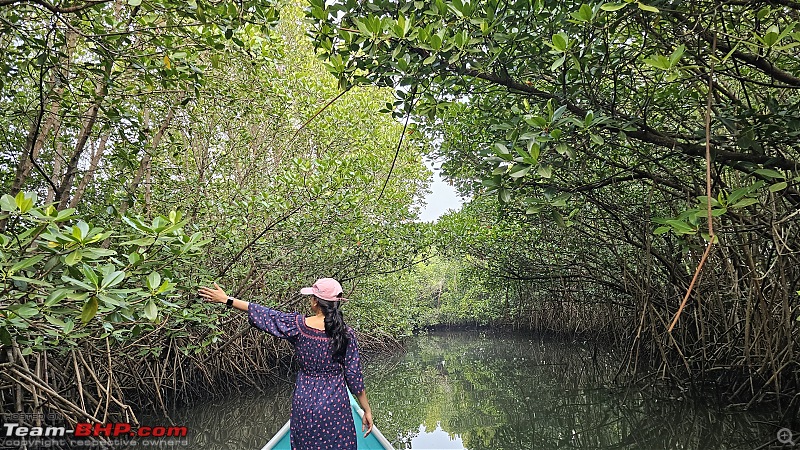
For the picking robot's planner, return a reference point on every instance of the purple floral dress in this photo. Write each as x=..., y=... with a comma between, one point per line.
x=321, y=415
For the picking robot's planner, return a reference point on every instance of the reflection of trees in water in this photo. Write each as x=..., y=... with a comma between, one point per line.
x=515, y=392
x=239, y=421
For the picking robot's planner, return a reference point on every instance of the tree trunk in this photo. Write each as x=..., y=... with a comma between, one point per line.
x=34, y=143
x=89, y=175
x=40, y=130
x=62, y=193
x=58, y=157
x=144, y=167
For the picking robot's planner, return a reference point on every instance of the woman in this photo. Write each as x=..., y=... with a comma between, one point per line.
x=328, y=355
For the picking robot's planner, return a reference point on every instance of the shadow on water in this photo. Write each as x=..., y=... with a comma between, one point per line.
x=479, y=390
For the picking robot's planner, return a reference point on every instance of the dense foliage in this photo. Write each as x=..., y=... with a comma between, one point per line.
x=153, y=146
x=587, y=124
x=156, y=146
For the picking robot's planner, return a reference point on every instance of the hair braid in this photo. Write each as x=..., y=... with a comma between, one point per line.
x=335, y=328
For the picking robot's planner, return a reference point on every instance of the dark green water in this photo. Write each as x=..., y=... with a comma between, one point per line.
x=478, y=390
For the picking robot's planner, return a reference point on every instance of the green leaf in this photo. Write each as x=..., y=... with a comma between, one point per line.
x=770, y=173
x=560, y=41
x=153, y=280
x=545, y=171
x=597, y=139
x=676, y=55
x=492, y=182
x=165, y=286
x=505, y=195
x=141, y=242
x=649, y=8
x=559, y=219
x=5, y=336
x=501, y=149
x=64, y=214
x=31, y=281
x=73, y=258
x=613, y=6
x=745, y=202
x=533, y=152
x=26, y=310
x=96, y=253
x=56, y=296
x=77, y=283
x=25, y=201
x=108, y=300
x=112, y=279
x=658, y=61
x=91, y=275
x=703, y=201
x=151, y=310
x=681, y=227
x=519, y=170
x=83, y=227
x=134, y=257
x=771, y=36
x=54, y=321
x=137, y=224
x=558, y=62
x=716, y=212
x=89, y=310
x=565, y=150
x=134, y=2
x=7, y=203
x=778, y=186
x=26, y=263
x=584, y=14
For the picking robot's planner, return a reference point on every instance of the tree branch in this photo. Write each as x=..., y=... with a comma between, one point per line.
x=56, y=9
x=644, y=134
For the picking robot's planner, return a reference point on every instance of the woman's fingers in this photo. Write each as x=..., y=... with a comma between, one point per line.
x=366, y=424
x=216, y=294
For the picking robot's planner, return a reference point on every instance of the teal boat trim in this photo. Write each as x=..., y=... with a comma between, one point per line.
x=280, y=440
x=375, y=440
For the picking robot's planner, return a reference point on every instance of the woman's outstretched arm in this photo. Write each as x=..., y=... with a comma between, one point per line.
x=217, y=295
x=274, y=322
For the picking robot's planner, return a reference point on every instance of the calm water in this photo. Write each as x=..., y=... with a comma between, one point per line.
x=478, y=390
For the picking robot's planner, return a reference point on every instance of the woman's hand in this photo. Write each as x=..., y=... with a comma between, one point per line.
x=215, y=295
x=366, y=423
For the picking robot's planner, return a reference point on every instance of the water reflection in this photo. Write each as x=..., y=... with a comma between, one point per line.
x=512, y=392
x=476, y=391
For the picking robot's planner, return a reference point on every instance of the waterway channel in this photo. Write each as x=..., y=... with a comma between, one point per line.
x=485, y=390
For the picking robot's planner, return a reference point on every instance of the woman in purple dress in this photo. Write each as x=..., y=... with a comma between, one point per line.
x=329, y=364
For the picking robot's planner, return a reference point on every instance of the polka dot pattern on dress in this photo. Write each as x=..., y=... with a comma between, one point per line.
x=321, y=417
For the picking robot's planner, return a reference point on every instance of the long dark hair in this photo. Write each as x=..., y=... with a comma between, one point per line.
x=335, y=328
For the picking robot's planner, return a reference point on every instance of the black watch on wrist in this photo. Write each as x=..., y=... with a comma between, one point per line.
x=230, y=301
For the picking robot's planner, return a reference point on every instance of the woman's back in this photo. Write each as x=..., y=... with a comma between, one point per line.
x=321, y=414
x=327, y=353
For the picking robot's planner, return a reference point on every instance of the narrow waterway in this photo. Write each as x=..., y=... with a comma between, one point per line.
x=481, y=390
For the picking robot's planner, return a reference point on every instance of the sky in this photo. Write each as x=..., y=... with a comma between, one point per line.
x=442, y=198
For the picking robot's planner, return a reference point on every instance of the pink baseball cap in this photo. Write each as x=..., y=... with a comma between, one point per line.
x=326, y=289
